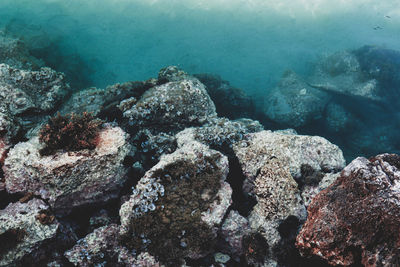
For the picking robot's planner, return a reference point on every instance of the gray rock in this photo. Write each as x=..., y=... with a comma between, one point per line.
x=294, y=103
x=170, y=107
x=219, y=133
x=308, y=192
x=97, y=100
x=28, y=97
x=181, y=200
x=23, y=237
x=69, y=179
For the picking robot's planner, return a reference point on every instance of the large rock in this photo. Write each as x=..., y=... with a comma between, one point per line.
x=176, y=209
x=69, y=179
x=170, y=107
x=271, y=162
x=27, y=231
x=29, y=96
x=294, y=103
x=356, y=219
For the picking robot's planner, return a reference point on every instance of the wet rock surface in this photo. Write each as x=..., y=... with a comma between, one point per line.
x=69, y=179
x=355, y=220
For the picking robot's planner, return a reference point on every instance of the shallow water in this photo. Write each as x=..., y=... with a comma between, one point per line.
x=249, y=43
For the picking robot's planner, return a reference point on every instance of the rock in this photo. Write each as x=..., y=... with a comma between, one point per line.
x=172, y=74
x=219, y=133
x=230, y=102
x=294, y=103
x=233, y=230
x=25, y=236
x=309, y=191
x=29, y=96
x=170, y=107
x=69, y=179
x=271, y=162
x=103, y=102
x=355, y=220
x=177, y=207
x=13, y=52
x=340, y=74
x=97, y=248
x=338, y=119
x=291, y=149
x=221, y=258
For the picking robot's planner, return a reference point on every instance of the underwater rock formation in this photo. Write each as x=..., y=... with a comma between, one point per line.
x=355, y=220
x=69, y=179
x=294, y=103
x=25, y=236
x=177, y=207
x=271, y=162
x=13, y=52
x=231, y=102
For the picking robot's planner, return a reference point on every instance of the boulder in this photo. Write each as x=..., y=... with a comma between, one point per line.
x=176, y=209
x=355, y=220
x=69, y=179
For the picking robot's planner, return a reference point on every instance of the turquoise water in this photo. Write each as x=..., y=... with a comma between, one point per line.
x=249, y=43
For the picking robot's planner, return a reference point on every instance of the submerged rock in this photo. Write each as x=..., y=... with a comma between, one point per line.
x=170, y=107
x=177, y=207
x=271, y=162
x=294, y=103
x=355, y=220
x=69, y=179
x=25, y=234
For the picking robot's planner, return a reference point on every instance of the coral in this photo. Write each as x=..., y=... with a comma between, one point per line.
x=70, y=132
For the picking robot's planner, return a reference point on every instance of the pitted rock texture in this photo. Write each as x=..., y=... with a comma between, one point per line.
x=356, y=219
x=177, y=207
x=23, y=236
x=69, y=179
x=170, y=106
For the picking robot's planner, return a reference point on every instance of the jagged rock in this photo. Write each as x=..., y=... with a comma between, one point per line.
x=24, y=236
x=172, y=74
x=69, y=179
x=233, y=230
x=14, y=53
x=219, y=133
x=294, y=103
x=309, y=191
x=177, y=207
x=170, y=107
x=271, y=162
x=104, y=101
x=230, y=102
x=355, y=220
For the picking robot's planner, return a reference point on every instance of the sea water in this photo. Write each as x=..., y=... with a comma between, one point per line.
x=249, y=43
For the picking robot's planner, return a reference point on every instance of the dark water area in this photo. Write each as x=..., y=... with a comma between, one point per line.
x=250, y=44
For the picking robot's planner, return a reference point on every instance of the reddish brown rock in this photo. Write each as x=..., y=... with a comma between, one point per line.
x=356, y=219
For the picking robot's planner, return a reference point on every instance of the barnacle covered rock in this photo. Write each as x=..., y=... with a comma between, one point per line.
x=69, y=179
x=24, y=238
x=177, y=207
x=355, y=221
